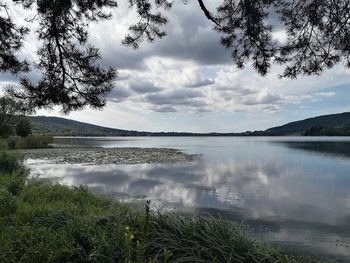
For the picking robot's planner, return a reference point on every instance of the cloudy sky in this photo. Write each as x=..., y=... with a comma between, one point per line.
x=187, y=82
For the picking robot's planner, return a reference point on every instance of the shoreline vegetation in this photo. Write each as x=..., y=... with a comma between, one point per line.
x=34, y=141
x=41, y=222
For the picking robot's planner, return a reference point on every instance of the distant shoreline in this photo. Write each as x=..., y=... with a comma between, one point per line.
x=182, y=135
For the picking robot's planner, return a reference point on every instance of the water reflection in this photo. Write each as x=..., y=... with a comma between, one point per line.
x=331, y=148
x=283, y=195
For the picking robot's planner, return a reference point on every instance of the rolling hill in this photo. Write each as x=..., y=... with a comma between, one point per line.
x=334, y=124
x=66, y=127
x=57, y=126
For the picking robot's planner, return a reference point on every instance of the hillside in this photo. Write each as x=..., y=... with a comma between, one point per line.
x=334, y=124
x=66, y=127
x=56, y=126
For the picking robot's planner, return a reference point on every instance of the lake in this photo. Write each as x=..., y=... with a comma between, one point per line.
x=290, y=191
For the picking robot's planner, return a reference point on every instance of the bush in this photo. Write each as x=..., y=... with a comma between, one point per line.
x=24, y=127
x=6, y=131
x=10, y=162
x=14, y=182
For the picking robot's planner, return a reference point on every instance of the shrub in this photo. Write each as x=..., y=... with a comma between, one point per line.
x=5, y=131
x=24, y=127
x=14, y=182
x=10, y=162
x=8, y=202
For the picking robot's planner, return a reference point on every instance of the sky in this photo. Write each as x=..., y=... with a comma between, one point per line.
x=188, y=82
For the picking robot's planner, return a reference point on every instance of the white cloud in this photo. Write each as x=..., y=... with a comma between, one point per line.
x=326, y=94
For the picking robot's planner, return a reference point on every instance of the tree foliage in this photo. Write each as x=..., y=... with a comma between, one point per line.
x=70, y=75
x=10, y=112
x=317, y=37
x=24, y=127
x=11, y=37
x=317, y=34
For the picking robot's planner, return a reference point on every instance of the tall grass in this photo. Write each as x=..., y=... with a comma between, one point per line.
x=10, y=163
x=30, y=142
x=40, y=222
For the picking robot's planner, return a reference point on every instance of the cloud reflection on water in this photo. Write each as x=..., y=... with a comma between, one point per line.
x=283, y=202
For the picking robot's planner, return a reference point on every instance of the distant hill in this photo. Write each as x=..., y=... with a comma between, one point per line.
x=56, y=126
x=66, y=127
x=333, y=124
x=327, y=125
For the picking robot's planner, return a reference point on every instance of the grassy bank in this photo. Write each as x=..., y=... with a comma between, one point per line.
x=30, y=142
x=40, y=222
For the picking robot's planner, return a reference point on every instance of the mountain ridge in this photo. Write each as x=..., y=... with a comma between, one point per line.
x=324, y=125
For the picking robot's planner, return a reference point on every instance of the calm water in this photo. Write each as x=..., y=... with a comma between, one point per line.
x=291, y=191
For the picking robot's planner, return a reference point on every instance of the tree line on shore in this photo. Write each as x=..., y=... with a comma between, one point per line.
x=13, y=120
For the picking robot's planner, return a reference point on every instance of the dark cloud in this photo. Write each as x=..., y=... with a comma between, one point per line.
x=165, y=109
x=119, y=94
x=143, y=87
x=190, y=36
x=121, y=57
x=177, y=97
x=123, y=76
x=271, y=108
x=238, y=94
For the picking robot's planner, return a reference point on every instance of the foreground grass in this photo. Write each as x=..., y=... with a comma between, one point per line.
x=40, y=222
x=30, y=142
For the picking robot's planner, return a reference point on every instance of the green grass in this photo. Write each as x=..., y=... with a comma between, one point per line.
x=30, y=142
x=40, y=222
